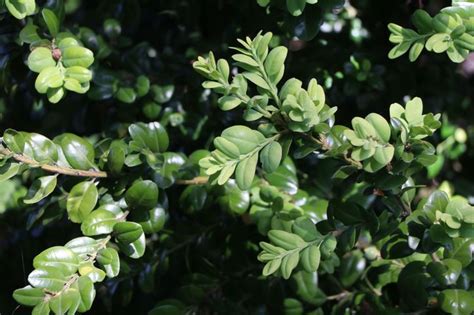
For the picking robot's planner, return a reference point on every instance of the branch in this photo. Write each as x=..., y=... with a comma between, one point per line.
x=199, y=180
x=340, y=296
x=52, y=168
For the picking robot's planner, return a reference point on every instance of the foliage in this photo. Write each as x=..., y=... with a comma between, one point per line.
x=127, y=184
x=450, y=31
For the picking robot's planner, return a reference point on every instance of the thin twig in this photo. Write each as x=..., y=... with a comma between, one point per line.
x=52, y=168
x=339, y=296
x=199, y=180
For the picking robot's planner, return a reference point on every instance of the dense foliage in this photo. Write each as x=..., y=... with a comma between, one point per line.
x=236, y=157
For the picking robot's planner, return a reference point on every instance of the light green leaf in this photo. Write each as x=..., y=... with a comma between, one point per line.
x=49, y=77
x=243, y=137
x=83, y=246
x=275, y=63
x=289, y=263
x=77, y=56
x=109, y=259
x=40, y=58
x=58, y=257
x=245, y=171
x=50, y=278
x=87, y=293
x=228, y=102
x=381, y=126
x=285, y=240
x=98, y=222
x=20, y=8
x=271, y=156
x=28, y=295
x=310, y=258
x=257, y=80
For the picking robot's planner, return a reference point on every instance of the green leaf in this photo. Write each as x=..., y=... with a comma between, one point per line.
x=414, y=111
x=14, y=140
x=131, y=238
x=243, y=137
x=8, y=170
x=67, y=301
x=29, y=33
x=456, y=301
x=49, y=77
x=127, y=232
x=83, y=246
x=109, y=259
x=275, y=63
x=87, y=293
x=78, y=152
x=351, y=268
x=50, y=278
x=81, y=201
x=285, y=240
x=245, y=171
x=21, y=8
x=227, y=147
x=75, y=86
x=228, y=102
x=77, y=56
x=257, y=80
x=51, y=20
x=28, y=295
x=41, y=309
x=126, y=95
x=310, y=258
x=307, y=287
x=41, y=188
x=98, y=222
x=143, y=194
x=39, y=148
x=162, y=94
x=80, y=74
x=151, y=136
x=462, y=250
x=295, y=7
x=58, y=257
x=381, y=126
x=245, y=60
x=142, y=86
x=271, y=267
x=399, y=50
x=40, y=58
x=116, y=157
x=289, y=263
x=446, y=272
x=416, y=50
x=55, y=95
x=271, y=156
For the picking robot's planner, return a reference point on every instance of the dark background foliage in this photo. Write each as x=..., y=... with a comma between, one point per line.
x=162, y=39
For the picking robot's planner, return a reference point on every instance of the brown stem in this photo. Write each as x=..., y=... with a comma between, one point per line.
x=52, y=168
x=340, y=296
x=199, y=180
